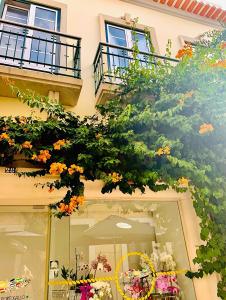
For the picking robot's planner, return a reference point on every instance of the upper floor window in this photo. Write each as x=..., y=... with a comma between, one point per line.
x=120, y=51
x=124, y=37
x=30, y=38
x=15, y=44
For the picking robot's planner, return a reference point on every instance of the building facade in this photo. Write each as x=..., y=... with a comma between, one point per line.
x=68, y=50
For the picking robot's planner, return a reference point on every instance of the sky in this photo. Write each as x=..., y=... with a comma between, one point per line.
x=221, y=3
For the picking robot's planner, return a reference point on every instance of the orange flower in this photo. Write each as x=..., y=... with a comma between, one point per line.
x=80, y=200
x=220, y=64
x=42, y=157
x=62, y=207
x=34, y=157
x=75, y=201
x=57, y=168
x=223, y=45
x=183, y=182
x=27, y=145
x=4, y=136
x=166, y=150
x=186, y=51
x=73, y=168
x=206, y=127
x=115, y=177
x=160, y=151
x=59, y=144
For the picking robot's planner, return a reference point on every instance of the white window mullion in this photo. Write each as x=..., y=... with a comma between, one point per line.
x=129, y=38
x=28, y=42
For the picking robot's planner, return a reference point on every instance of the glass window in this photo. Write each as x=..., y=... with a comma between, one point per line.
x=16, y=15
x=23, y=251
x=39, y=52
x=10, y=43
x=103, y=232
x=120, y=36
x=117, y=36
x=45, y=18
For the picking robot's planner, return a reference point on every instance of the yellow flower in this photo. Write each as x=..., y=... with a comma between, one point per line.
x=4, y=136
x=74, y=168
x=186, y=51
x=115, y=177
x=57, y=168
x=59, y=144
x=77, y=200
x=80, y=200
x=160, y=151
x=204, y=128
x=183, y=182
x=27, y=145
x=42, y=157
x=220, y=64
x=165, y=150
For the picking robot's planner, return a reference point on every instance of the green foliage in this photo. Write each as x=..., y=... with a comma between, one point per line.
x=165, y=128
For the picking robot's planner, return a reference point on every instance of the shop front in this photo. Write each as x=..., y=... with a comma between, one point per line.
x=131, y=247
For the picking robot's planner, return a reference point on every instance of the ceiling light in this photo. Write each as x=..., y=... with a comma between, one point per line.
x=124, y=225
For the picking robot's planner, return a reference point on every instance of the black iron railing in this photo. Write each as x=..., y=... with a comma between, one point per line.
x=111, y=60
x=39, y=49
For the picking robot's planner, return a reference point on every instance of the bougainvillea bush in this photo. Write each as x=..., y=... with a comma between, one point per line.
x=165, y=128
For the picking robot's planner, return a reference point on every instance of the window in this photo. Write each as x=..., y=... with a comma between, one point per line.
x=23, y=252
x=17, y=48
x=112, y=229
x=121, y=38
x=124, y=37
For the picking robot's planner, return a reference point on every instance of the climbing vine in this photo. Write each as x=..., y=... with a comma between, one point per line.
x=165, y=128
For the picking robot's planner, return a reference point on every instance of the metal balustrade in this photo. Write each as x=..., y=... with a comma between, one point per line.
x=39, y=49
x=110, y=62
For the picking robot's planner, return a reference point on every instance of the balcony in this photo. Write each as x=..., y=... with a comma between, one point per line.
x=42, y=60
x=110, y=61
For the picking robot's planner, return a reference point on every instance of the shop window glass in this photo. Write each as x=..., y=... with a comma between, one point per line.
x=23, y=253
x=94, y=240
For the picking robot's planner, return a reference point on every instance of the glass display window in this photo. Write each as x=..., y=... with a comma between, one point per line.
x=123, y=238
x=23, y=252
